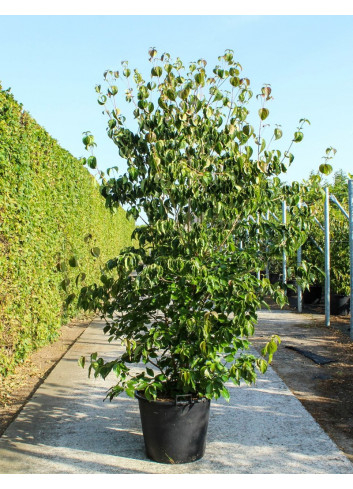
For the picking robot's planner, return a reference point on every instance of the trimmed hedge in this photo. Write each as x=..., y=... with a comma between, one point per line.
x=53, y=226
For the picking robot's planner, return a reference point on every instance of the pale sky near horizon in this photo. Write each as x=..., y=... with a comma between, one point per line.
x=52, y=64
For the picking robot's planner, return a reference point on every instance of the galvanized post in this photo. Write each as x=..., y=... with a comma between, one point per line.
x=350, y=206
x=258, y=244
x=327, y=257
x=284, y=256
x=267, y=267
x=299, y=289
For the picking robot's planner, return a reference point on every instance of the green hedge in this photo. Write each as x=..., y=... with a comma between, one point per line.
x=53, y=221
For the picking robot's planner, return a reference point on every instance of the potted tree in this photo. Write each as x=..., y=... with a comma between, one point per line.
x=183, y=299
x=340, y=269
x=340, y=261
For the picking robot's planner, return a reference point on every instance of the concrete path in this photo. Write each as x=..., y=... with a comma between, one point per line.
x=66, y=428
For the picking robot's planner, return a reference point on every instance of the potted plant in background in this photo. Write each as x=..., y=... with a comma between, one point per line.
x=196, y=172
x=340, y=267
x=340, y=261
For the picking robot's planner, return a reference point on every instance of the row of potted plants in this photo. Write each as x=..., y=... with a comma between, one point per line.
x=312, y=249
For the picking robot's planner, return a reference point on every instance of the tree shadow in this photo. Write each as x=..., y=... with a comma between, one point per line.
x=264, y=429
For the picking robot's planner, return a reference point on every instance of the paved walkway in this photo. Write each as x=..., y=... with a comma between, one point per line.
x=66, y=428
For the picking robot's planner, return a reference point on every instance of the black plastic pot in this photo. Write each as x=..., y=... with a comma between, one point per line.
x=291, y=292
x=313, y=295
x=174, y=431
x=274, y=277
x=339, y=305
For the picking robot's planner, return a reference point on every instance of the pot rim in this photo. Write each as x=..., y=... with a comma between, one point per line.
x=175, y=402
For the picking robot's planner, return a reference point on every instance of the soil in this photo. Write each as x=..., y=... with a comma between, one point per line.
x=326, y=391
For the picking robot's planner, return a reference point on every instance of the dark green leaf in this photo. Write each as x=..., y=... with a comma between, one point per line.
x=92, y=162
x=298, y=136
x=95, y=252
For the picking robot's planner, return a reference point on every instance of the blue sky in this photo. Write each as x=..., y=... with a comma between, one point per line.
x=52, y=64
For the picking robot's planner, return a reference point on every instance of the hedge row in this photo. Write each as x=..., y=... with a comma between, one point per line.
x=53, y=226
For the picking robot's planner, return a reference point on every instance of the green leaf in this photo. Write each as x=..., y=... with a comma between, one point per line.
x=304, y=120
x=80, y=277
x=102, y=100
x=247, y=130
x=73, y=262
x=263, y=113
x=157, y=71
x=170, y=94
x=325, y=168
x=219, y=148
x=209, y=112
x=331, y=150
x=113, y=90
x=225, y=394
x=61, y=267
x=298, y=136
x=70, y=299
x=198, y=78
x=130, y=391
x=88, y=140
x=278, y=133
x=152, y=52
x=92, y=162
x=65, y=283
x=150, y=372
x=262, y=365
x=95, y=252
x=82, y=361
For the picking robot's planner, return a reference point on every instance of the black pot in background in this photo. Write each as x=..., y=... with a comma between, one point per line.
x=274, y=277
x=339, y=305
x=313, y=295
x=174, y=431
x=290, y=291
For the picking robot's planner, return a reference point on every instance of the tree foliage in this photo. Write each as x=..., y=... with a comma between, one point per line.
x=184, y=299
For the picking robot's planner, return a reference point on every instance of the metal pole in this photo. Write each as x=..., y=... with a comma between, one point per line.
x=319, y=224
x=327, y=257
x=299, y=289
x=335, y=201
x=258, y=244
x=284, y=265
x=350, y=207
x=267, y=267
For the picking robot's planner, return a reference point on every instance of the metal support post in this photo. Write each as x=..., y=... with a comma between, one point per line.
x=258, y=244
x=299, y=289
x=319, y=224
x=350, y=207
x=327, y=257
x=267, y=267
x=335, y=201
x=284, y=256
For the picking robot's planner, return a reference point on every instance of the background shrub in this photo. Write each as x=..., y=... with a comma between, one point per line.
x=54, y=233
